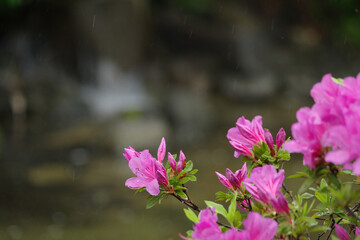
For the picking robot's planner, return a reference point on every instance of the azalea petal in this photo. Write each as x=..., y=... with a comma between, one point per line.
x=153, y=187
x=223, y=180
x=257, y=128
x=338, y=157
x=241, y=174
x=135, y=182
x=130, y=153
x=260, y=228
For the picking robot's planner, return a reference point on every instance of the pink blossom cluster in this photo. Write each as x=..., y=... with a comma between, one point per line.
x=256, y=228
x=329, y=131
x=149, y=171
x=247, y=134
x=264, y=185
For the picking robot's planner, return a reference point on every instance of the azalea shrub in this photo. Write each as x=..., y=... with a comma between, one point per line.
x=255, y=202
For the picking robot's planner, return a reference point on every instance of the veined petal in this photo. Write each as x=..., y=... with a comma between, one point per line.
x=232, y=178
x=130, y=153
x=223, y=180
x=241, y=174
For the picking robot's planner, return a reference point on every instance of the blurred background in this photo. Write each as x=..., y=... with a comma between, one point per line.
x=81, y=80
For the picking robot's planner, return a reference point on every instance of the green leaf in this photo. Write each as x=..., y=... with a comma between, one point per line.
x=334, y=180
x=189, y=166
x=192, y=178
x=237, y=219
x=232, y=210
x=140, y=190
x=181, y=194
x=219, y=209
x=307, y=196
x=319, y=228
x=321, y=197
x=339, y=81
x=191, y=215
x=184, y=180
x=153, y=200
x=323, y=184
x=299, y=175
x=193, y=171
x=189, y=233
x=306, y=184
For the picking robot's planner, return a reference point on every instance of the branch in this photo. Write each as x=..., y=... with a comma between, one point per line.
x=350, y=212
x=288, y=192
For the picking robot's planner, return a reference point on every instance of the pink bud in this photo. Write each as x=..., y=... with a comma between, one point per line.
x=130, y=153
x=280, y=138
x=161, y=178
x=172, y=161
x=223, y=180
x=161, y=150
x=341, y=232
x=357, y=230
x=181, y=163
x=269, y=139
x=232, y=178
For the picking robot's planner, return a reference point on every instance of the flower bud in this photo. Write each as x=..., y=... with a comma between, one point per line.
x=161, y=150
x=280, y=138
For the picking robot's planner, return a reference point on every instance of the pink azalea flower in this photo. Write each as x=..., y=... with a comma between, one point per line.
x=150, y=173
x=307, y=134
x=258, y=227
x=233, y=180
x=245, y=135
x=207, y=228
x=357, y=230
x=177, y=167
x=345, y=141
x=341, y=232
x=264, y=185
x=328, y=132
